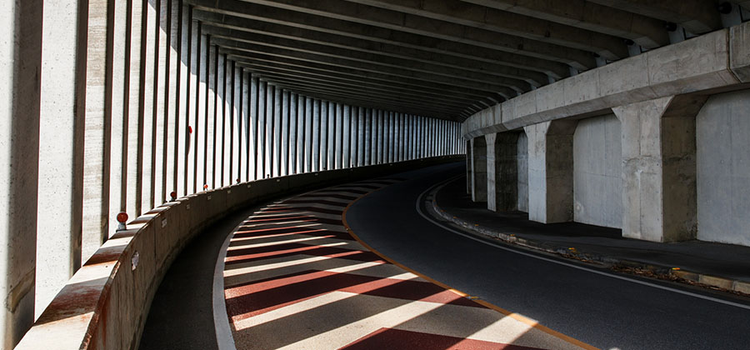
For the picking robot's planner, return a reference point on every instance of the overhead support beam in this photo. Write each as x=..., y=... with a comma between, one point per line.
x=579, y=59
x=697, y=16
x=231, y=38
x=534, y=78
x=463, y=13
x=382, y=90
x=432, y=89
x=644, y=31
x=557, y=70
x=415, y=79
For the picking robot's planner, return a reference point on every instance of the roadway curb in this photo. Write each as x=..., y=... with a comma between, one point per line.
x=628, y=266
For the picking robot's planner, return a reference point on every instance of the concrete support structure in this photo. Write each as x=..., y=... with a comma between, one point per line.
x=659, y=168
x=502, y=171
x=479, y=169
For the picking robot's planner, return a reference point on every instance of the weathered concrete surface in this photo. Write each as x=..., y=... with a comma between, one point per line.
x=551, y=171
x=502, y=171
x=707, y=62
x=479, y=169
x=658, y=155
x=104, y=305
x=523, y=172
x=723, y=180
x=597, y=183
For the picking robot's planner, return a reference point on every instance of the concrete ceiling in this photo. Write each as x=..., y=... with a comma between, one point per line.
x=440, y=58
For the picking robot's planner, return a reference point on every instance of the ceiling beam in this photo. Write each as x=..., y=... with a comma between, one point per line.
x=697, y=16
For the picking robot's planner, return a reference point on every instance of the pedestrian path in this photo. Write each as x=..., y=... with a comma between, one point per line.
x=294, y=278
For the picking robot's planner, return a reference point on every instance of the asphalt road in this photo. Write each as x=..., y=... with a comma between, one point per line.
x=594, y=307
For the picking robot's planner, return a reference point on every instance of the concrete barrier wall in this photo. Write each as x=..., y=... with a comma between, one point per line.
x=597, y=172
x=723, y=168
x=106, y=303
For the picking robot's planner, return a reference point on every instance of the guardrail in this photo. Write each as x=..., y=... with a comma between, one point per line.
x=105, y=304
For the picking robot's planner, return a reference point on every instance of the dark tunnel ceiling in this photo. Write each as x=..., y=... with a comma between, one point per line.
x=438, y=58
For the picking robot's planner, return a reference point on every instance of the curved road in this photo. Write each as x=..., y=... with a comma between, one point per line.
x=589, y=305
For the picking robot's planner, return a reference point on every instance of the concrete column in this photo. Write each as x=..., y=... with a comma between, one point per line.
x=469, y=173
x=212, y=117
x=367, y=137
x=315, y=164
x=21, y=23
x=331, y=162
x=300, y=134
x=52, y=154
x=160, y=101
x=269, y=151
x=261, y=162
x=225, y=100
x=397, y=133
x=323, y=136
x=379, y=137
x=253, y=159
x=245, y=139
x=338, y=135
x=479, y=169
x=118, y=115
x=277, y=127
x=502, y=171
x=149, y=86
x=285, y=134
x=345, y=136
x=172, y=136
x=308, y=134
x=659, y=168
x=201, y=100
x=293, y=155
x=353, y=133
x=361, y=141
x=237, y=124
x=551, y=171
x=228, y=116
x=218, y=121
x=182, y=123
x=192, y=95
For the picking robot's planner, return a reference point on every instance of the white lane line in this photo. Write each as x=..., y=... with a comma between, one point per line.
x=224, y=337
x=420, y=200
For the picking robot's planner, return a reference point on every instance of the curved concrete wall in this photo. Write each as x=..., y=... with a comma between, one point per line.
x=723, y=158
x=105, y=304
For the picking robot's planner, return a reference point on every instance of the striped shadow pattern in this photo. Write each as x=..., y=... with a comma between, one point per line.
x=295, y=279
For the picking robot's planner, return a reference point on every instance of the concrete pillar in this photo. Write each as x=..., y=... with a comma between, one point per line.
x=253, y=158
x=245, y=138
x=172, y=136
x=300, y=134
x=237, y=124
x=323, y=163
x=285, y=169
x=182, y=122
x=277, y=127
x=270, y=104
x=229, y=112
x=380, y=137
x=160, y=103
x=118, y=115
x=367, y=137
x=308, y=134
x=479, y=169
x=469, y=172
x=149, y=80
x=219, y=120
x=338, y=135
x=211, y=117
x=201, y=101
x=261, y=162
x=293, y=155
x=551, y=171
x=191, y=104
x=502, y=171
x=659, y=168
x=56, y=142
x=346, y=122
x=361, y=140
x=315, y=159
x=331, y=159
x=21, y=23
